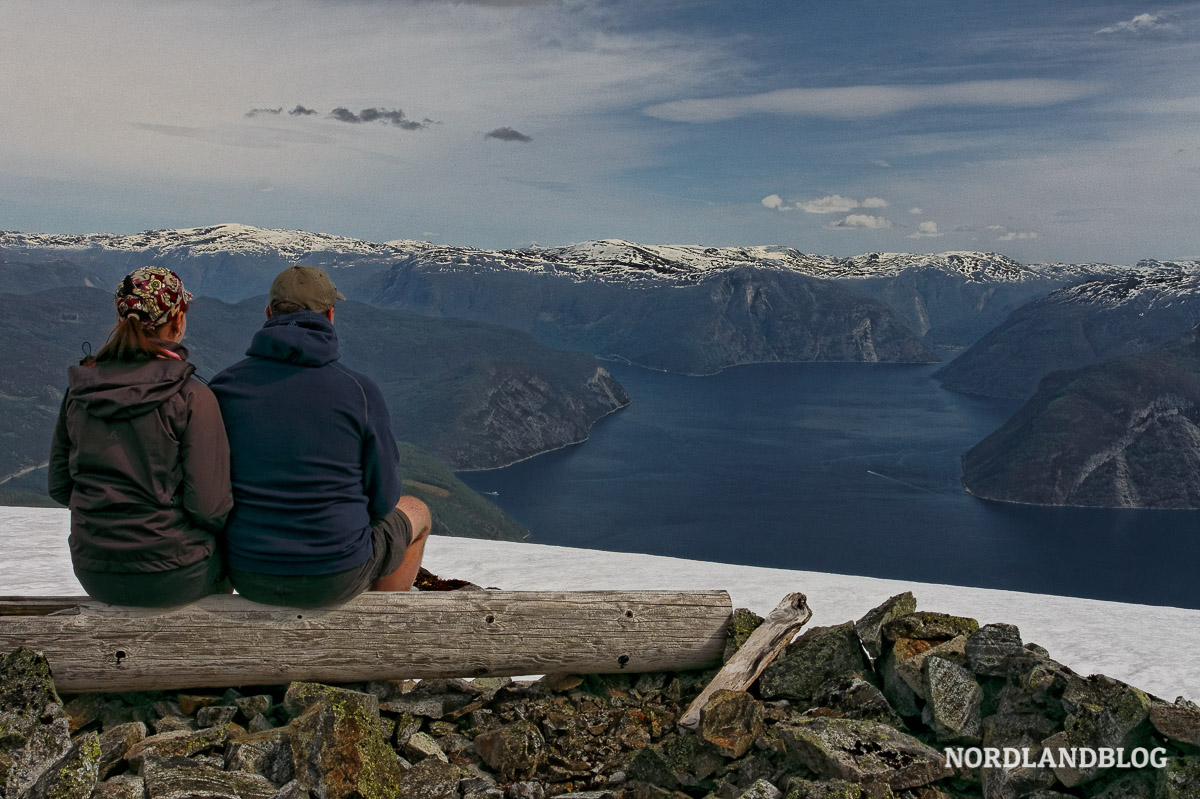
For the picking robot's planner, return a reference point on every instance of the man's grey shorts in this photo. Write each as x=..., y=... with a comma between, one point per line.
x=390, y=537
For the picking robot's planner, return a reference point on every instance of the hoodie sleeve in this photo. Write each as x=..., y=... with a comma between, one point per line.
x=61, y=484
x=381, y=456
x=204, y=450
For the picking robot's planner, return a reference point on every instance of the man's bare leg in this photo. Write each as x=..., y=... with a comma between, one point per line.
x=404, y=575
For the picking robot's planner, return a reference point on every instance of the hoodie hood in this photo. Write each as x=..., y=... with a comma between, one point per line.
x=115, y=390
x=305, y=338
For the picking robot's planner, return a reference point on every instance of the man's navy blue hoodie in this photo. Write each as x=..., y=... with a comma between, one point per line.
x=312, y=455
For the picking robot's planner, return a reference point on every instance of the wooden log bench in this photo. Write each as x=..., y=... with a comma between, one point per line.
x=226, y=640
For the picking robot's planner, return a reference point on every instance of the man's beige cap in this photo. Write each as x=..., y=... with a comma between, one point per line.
x=307, y=286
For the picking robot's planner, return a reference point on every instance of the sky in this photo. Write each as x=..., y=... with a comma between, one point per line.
x=1060, y=131
x=1152, y=648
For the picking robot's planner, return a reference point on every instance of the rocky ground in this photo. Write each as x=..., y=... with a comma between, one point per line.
x=863, y=709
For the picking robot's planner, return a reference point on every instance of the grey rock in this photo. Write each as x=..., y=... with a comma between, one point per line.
x=514, y=749
x=292, y=790
x=259, y=723
x=183, y=778
x=84, y=709
x=863, y=752
x=115, y=742
x=123, y=786
x=431, y=707
x=798, y=788
x=762, y=789
x=251, y=706
x=989, y=649
x=955, y=701
x=1130, y=785
x=806, y=664
x=180, y=743
x=191, y=704
x=1179, y=779
x=1023, y=731
x=909, y=656
x=731, y=721
x=267, y=753
x=870, y=626
x=479, y=786
x=34, y=730
x=895, y=688
x=215, y=715
x=73, y=775
x=855, y=698
x=1179, y=722
x=1104, y=713
x=173, y=724
x=676, y=762
x=526, y=790
x=301, y=696
x=430, y=779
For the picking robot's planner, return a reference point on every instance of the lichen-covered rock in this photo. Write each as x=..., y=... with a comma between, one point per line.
x=516, y=748
x=420, y=746
x=123, y=786
x=183, y=778
x=301, y=696
x=741, y=625
x=895, y=688
x=955, y=702
x=929, y=625
x=180, y=743
x=34, y=730
x=116, y=742
x=430, y=779
x=267, y=754
x=1179, y=779
x=173, y=724
x=989, y=649
x=251, y=706
x=730, y=721
x=191, y=704
x=83, y=710
x=678, y=761
x=806, y=664
x=1035, y=685
x=1179, y=722
x=72, y=777
x=762, y=789
x=292, y=790
x=870, y=626
x=854, y=698
x=1104, y=713
x=863, y=752
x=1129, y=785
x=798, y=788
x=338, y=749
x=1013, y=731
x=911, y=653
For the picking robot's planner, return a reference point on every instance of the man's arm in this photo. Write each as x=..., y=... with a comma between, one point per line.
x=380, y=455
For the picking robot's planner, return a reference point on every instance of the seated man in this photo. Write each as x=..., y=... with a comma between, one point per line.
x=318, y=517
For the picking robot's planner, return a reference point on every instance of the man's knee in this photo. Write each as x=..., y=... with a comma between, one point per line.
x=418, y=517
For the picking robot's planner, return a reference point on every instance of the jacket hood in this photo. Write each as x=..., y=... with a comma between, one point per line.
x=115, y=390
x=305, y=338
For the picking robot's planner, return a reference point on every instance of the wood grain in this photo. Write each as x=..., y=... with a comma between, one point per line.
x=228, y=641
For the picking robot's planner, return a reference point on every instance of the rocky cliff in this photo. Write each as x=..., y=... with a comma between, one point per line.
x=1124, y=433
x=1077, y=326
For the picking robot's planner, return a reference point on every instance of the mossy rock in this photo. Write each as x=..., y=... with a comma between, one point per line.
x=930, y=626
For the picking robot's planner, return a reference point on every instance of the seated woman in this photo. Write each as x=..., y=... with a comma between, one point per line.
x=140, y=457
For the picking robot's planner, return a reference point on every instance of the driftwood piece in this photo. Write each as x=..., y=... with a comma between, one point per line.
x=780, y=626
x=227, y=640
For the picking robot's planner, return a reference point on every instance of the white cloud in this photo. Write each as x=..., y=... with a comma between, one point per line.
x=916, y=211
x=833, y=204
x=874, y=202
x=861, y=222
x=859, y=102
x=925, y=230
x=1004, y=234
x=775, y=201
x=1139, y=24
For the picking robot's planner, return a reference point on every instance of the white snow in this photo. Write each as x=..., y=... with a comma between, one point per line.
x=1153, y=648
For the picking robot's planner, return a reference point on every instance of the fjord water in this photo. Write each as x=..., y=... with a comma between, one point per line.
x=842, y=468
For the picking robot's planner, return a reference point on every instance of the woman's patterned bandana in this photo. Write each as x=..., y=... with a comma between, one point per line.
x=153, y=293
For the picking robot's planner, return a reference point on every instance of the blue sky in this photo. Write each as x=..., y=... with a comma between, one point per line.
x=1045, y=131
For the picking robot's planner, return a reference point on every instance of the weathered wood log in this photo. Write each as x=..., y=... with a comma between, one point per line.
x=776, y=632
x=228, y=641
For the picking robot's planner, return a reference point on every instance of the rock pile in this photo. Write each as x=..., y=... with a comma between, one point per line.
x=900, y=704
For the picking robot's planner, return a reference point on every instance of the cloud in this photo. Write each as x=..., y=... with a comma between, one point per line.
x=861, y=222
x=301, y=111
x=916, y=211
x=1004, y=234
x=831, y=204
x=775, y=201
x=874, y=202
x=507, y=134
x=396, y=117
x=925, y=230
x=253, y=112
x=1142, y=23
x=859, y=102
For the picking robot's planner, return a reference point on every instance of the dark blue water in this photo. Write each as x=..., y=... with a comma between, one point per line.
x=845, y=468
